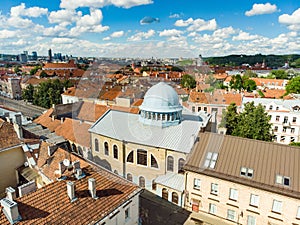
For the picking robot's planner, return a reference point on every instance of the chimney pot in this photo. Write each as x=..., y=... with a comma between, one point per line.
x=71, y=191
x=11, y=193
x=92, y=187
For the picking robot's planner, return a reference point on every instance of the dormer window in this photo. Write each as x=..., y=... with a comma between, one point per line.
x=211, y=159
x=283, y=180
x=246, y=172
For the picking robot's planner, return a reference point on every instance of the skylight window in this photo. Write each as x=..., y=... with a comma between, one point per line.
x=283, y=180
x=247, y=172
x=211, y=159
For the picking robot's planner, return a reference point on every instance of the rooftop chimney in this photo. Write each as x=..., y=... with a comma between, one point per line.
x=27, y=188
x=10, y=193
x=92, y=187
x=10, y=210
x=71, y=191
x=18, y=119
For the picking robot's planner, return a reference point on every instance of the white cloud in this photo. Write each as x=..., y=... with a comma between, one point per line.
x=19, y=22
x=106, y=39
x=67, y=4
x=260, y=9
x=21, y=10
x=7, y=34
x=139, y=36
x=292, y=20
x=64, y=16
x=244, y=36
x=117, y=34
x=58, y=30
x=184, y=23
x=171, y=32
x=175, y=15
x=201, y=25
x=225, y=32
x=62, y=40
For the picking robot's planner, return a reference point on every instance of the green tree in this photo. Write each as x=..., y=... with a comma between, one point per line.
x=250, y=73
x=279, y=74
x=188, y=81
x=295, y=144
x=229, y=118
x=293, y=86
x=35, y=69
x=252, y=123
x=17, y=69
x=43, y=74
x=249, y=85
x=239, y=82
x=27, y=93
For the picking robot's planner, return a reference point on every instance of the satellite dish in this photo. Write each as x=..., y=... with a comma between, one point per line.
x=66, y=162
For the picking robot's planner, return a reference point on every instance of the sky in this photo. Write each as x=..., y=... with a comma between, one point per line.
x=150, y=28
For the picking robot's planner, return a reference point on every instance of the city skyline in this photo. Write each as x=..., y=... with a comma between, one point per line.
x=150, y=28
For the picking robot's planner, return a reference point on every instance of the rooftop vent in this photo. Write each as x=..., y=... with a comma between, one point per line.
x=10, y=193
x=27, y=188
x=10, y=210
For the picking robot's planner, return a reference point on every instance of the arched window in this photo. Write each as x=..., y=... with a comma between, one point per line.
x=170, y=163
x=181, y=163
x=80, y=152
x=175, y=197
x=153, y=162
x=165, y=194
x=130, y=157
x=115, y=149
x=96, y=145
x=142, y=157
x=129, y=177
x=74, y=148
x=142, y=182
x=153, y=185
x=106, y=149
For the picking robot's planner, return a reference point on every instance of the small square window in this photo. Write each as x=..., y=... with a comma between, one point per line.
x=282, y=180
x=294, y=119
x=277, y=118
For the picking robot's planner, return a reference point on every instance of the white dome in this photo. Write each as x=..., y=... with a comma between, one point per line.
x=161, y=98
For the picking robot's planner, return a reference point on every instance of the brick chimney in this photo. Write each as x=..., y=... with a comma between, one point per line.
x=92, y=187
x=71, y=191
x=10, y=210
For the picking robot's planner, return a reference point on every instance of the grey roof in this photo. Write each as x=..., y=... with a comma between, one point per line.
x=267, y=160
x=288, y=103
x=171, y=180
x=126, y=126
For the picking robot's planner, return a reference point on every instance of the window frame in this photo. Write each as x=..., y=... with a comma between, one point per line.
x=127, y=214
x=254, y=200
x=211, y=160
x=231, y=212
x=212, y=208
x=197, y=184
x=96, y=143
x=251, y=220
x=298, y=213
x=106, y=148
x=233, y=194
x=170, y=163
x=277, y=206
x=115, y=151
x=142, y=157
x=214, y=188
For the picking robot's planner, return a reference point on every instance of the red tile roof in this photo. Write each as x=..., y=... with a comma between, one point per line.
x=46, y=120
x=51, y=204
x=91, y=112
x=8, y=136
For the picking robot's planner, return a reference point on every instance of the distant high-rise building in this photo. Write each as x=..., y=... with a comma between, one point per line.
x=34, y=56
x=50, y=55
x=23, y=57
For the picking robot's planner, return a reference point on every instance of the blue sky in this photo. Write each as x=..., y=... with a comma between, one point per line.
x=150, y=28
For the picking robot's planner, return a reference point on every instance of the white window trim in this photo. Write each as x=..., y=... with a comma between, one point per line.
x=233, y=194
x=254, y=200
x=277, y=206
x=214, y=189
x=197, y=184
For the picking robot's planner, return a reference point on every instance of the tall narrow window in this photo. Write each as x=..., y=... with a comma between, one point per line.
x=153, y=185
x=212, y=208
x=153, y=162
x=233, y=194
x=142, y=182
x=115, y=149
x=106, y=149
x=231, y=214
x=175, y=197
x=142, y=157
x=251, y=220
x=130, y=157
x=165, y=194
x=254, y=200
x=170, y=163
x=298, y=213
x=214, y=189
x=127, y=214
x=96, y=145
x=181, y=163
x=197, y=184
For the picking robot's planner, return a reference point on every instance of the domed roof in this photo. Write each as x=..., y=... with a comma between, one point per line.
x=161, y=98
